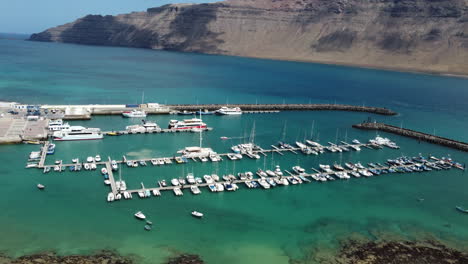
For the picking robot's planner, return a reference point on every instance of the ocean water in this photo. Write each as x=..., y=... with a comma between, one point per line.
x=291, y=223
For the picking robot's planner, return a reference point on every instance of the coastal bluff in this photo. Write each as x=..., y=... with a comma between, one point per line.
x=410, y=35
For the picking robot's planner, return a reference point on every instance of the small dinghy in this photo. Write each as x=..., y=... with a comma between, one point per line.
x=40, y=186
x=148, y=227
x=461, y=209
x=197, y=214
x=140, y=215
x=148, y=222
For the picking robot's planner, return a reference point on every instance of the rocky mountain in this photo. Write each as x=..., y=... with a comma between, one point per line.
x=420, y=35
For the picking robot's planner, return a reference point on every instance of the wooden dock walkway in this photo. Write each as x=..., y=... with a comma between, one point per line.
x=44, y=149
x=110, y=173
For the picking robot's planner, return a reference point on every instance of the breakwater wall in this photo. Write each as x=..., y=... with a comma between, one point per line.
x=414, y=134
x=287, y=107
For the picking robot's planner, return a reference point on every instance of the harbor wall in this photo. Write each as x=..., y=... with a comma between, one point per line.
x=414, y=134
x=287, y=107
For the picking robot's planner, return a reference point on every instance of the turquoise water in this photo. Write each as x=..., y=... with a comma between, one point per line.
x=248, y=226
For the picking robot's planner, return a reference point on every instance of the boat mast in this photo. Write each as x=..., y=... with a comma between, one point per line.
x=312, y=130
x=252, y=134
x=284, y=131
x=142, y=97
x=201, y=131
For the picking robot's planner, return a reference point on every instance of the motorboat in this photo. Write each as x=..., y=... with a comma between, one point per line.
x=208, y=179
x=278, y=171
x=110, y=197
x=114, y=165
x=298, y=170
x=197, y=214
x=175, y=182
x=187, y=124
x=229, y=111
x=194, y=189
x=190, y=178
x=134, y=113
x=78, y=133
x=140, y=215
x=145, y=127
x=51, y=149
x=40, y=186
x=156, y=192
x=104, y=171
x=261, y=173
x=89, y=159
x=270, y=173
x=107, y=182
x=97, y=158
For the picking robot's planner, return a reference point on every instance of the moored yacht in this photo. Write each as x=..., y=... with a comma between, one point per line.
x=229, y=111
x=78, y=133
x=187, y=124
x=134, y=113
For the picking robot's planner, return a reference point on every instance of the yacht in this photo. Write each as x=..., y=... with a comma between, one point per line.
x=298, y=170
x=57, y=125
x=110, y=197
x=229, y=111
x=114, y=165
x=143, y=128
x=134, y=113
x=186, y=124
x=208, y=179
x=197, y=214
x=270, y=173
x=140, y=215
x=190, y=178
x=78, y=133
x=196, y=152
x=278, y=171
x=175, y=182
x=194, y=189
x=51, y=149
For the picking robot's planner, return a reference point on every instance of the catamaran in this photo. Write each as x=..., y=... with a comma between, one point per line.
x=187, y=124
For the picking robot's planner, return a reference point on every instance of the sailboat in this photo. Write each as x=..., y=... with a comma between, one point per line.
x=197, y=152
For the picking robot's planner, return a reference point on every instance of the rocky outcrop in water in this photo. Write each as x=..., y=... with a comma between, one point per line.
x=106, y=257
x=400, y=253
x=423, y=35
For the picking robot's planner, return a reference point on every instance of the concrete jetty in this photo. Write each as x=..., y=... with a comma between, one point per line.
x=414, y=134
x=286, y=107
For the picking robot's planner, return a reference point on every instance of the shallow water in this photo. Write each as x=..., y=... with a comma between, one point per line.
x=248, y=226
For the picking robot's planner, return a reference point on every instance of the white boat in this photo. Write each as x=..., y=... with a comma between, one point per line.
x=219, y=187
x=93, y=166
x=355, y=141
x=87, y=166
x=114, y=165
x=156, y=192
x=57, y=125
x=229, y=111
x=278, y=171
x=110, y=197
x=232, y=156
x=270, y=173
x=175, y=182
x=154, y=162
x=40, y=186
x=196, y=152
x=208, y=179
x=140, y=215
x=187, y=124
x=143, y=128
x=90, y=159
x=134, y=113
x=194, y=189
x=107, y=182
x=178, y=192
x=190, y=178
x=97, y=158
x=298, y=170
x=264, y=184
x=301, y=145
x=197, y=214
x=78, y=133
x=104, y=171
x=75, y=160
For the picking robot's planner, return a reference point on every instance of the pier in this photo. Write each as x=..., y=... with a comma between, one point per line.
x=287, y=107
x=414, y=134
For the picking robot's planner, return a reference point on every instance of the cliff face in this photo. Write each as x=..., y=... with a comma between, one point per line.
x=424, y=35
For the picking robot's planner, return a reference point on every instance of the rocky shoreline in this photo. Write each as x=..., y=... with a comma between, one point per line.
x=102, y=257
x=396, y=252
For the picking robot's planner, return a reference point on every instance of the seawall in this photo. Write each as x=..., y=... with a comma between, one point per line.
x=414, y=134
x=287, y=107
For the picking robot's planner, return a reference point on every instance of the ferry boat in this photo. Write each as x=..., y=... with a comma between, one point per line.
x=229, y=111
x=78, y=133
x=134, y=113
x=186, y=124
